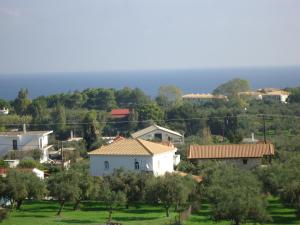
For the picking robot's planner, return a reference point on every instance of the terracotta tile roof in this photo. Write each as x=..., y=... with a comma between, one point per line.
x=204, y=96
x=119, y=112
x=230, y=151
x=198, y=179
x=132, y=147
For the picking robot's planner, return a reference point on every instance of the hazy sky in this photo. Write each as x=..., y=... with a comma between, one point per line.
x=101, y=35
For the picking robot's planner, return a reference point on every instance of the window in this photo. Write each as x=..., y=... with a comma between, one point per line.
x=40, y=143
x=136, y=165
x=158, y=136
x=245, y=161
x=106, y=165
x=15, y=144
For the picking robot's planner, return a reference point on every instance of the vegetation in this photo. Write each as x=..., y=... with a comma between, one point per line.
x=227, y=195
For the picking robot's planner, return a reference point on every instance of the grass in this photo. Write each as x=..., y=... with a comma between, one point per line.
x=92, y=213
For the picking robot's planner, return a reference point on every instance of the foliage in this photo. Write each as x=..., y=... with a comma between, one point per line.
x=29, y=163
x=111, y=198
x=85, y=182
x=64, y=187
x=22, y=102
x=169, y=96
x=236, y=195
x=232, y=87
x=18, y=186
x=170, y=190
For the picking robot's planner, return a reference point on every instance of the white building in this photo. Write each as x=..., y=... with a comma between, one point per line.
x=269, y=94
x=158, y=133
x=4, y=111
x=134, y=155
x=22, y=141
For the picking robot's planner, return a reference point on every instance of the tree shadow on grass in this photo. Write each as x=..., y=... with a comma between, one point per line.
x=141, y=211
x=32, y=216
x=284, y=220
x=132, y=218
x=75, y=221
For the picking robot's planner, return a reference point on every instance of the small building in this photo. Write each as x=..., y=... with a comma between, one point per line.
x=4, y=111
x=159, y=134
x=251, y=140
x=24, y=141
x=119, y=113
x=201, y=99
x=246, y=156
x=134, y=155
x=267, y=94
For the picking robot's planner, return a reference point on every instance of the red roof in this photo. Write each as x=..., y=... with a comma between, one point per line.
x=230, y=151
x=119, y=113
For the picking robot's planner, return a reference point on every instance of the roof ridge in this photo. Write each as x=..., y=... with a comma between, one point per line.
x=148, y=150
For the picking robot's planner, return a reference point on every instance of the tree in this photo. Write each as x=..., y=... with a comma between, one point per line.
x=294, y=97
x=91, y=131
x=85, y=182
x=59, y=117
x=151, y=113
x=288, y=181
x=130, y=183
x=22, y=102
x=232, y=87
x=169, y=96
x=20, y=186
x=64, y=187
x=170, y=190
x=111, y=198
x=236, y=195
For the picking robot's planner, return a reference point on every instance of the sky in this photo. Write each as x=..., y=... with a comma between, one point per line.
x=122, y=35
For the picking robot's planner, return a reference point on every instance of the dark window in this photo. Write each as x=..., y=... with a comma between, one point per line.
x=106, y=165
x=245, y=161
x=158, y=136
x=136, y=165
x=15, y=145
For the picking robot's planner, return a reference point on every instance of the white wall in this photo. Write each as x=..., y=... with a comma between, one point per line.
x=163, y=163
x=165, y=136
x=25, y=142
x=159, y=164
x=97, y=167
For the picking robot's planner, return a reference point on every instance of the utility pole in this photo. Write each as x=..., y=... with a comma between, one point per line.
x=264, y=122
x=62, y=155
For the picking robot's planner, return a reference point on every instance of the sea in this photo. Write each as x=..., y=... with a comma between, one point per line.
x=190, y=81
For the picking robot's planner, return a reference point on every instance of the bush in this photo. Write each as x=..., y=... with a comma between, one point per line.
x=3, y=214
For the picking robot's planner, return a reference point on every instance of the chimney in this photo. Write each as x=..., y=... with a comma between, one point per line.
x=252, y=137
x=24, y=128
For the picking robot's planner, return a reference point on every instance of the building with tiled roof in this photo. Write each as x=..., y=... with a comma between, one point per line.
x=243, y=155
x=200, y=99
x=270, y=94
x=159, y=134
x=135, y=155
x=119, y=113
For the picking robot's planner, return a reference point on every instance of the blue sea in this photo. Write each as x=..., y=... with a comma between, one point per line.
x=190, y=81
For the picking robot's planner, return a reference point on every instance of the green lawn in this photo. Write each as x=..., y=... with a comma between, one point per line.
x=43, y=212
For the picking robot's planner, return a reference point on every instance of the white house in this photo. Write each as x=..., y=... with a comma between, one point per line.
x=134, y=155
x=4, y=111
x=158, y=133
x=25, y=140
x=269, y=94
